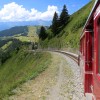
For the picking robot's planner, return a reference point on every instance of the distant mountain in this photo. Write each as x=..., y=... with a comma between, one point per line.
x=20, y=30
x=7, y=25
x=14, y=31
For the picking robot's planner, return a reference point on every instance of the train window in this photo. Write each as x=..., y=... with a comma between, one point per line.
x=98, y=30
x=92, y=45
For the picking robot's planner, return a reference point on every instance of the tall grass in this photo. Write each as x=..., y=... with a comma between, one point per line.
x=21, y=67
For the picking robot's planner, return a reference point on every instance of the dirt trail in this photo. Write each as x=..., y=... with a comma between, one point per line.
x=55, y=90
x=55, y=83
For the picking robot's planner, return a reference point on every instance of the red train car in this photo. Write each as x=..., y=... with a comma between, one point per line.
x=90, y=54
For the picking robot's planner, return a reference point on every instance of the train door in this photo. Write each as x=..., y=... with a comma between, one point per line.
x=96, y=75
x=88, y=61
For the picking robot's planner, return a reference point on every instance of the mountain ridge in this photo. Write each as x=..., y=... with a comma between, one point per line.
x=7, y=25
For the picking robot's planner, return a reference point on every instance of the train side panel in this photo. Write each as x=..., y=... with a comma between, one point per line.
x=86, y=60
x=96, y=70
x=90, y=53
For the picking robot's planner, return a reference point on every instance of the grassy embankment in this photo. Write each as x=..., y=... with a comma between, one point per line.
x=21, y=67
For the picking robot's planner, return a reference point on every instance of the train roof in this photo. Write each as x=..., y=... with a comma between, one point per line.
x=90, y=17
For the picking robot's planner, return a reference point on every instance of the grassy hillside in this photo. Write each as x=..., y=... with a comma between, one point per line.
x=69, y=36
x=21, y=67
x=18, y=64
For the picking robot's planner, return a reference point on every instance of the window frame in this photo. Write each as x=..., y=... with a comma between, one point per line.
x=98, y=46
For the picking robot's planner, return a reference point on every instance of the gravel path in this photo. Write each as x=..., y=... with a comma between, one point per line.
x=61, y=81
x=77, y=88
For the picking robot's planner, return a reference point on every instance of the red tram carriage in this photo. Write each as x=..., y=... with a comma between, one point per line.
x=90, y=54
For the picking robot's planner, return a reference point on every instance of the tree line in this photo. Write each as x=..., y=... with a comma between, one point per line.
x=12, y=49
x=58, y=23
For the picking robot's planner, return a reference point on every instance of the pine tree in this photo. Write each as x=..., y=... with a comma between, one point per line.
x=64, y=16
x=54, y=25
x=42, y=34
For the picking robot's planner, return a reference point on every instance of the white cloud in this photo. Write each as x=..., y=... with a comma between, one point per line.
x=15, y=12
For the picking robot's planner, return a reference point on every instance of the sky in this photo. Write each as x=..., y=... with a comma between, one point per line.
x=34, y=10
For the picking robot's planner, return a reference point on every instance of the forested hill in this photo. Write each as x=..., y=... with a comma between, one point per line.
x=18, y=30
x=69, y=36
x=13, y=31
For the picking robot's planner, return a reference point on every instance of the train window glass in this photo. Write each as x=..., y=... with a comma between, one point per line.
x=98, y=30
x=92, y=44
x=84, y=47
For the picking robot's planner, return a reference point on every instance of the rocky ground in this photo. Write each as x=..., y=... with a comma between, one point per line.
x=60, y=81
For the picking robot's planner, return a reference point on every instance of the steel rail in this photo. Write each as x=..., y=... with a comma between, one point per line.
x=71, y=55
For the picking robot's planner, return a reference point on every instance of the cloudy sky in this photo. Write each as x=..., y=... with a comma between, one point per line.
x=33, y=10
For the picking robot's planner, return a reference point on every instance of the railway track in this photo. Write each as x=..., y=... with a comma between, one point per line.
x=71, y=55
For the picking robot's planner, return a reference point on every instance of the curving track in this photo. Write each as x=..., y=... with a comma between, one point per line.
x=71, y=55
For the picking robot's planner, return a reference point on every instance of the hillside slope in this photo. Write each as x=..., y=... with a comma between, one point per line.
x=69, y=36
x=20, y=68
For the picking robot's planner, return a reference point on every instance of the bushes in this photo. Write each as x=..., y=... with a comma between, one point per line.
x=13, y=48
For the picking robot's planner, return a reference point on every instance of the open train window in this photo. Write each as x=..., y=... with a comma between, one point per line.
x=98, y=31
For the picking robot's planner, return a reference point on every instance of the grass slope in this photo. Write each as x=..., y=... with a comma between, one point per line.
x=21, y=67
x=69, y=36
x=74, y=28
